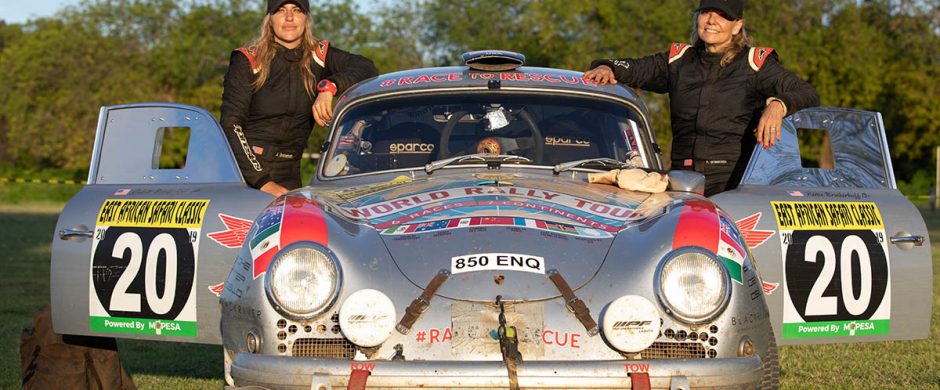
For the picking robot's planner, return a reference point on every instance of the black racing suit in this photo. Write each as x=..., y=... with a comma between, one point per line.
x=268, y=129
x=714, y=109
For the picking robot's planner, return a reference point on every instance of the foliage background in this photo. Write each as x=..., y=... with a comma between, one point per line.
x=881, y=55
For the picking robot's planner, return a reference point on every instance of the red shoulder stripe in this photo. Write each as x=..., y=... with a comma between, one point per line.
x=758, y=56
x=320, y=53
x=677, y=50
x=249, y=52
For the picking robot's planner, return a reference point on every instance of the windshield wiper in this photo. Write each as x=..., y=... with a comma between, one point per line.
x=491, y=160
x=603, y=162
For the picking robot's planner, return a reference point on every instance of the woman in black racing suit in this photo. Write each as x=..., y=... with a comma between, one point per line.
x=719, y=87
x=276, y=88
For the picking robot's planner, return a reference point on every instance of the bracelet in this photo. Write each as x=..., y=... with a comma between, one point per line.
x=773, y=99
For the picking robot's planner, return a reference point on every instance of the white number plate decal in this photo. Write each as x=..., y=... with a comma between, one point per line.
x=497, y=262
x=143, y=267
x=836, y=269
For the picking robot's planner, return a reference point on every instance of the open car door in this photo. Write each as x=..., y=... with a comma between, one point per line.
x=843, y=255
x=142, y=250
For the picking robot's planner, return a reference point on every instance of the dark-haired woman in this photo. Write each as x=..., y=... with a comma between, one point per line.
x=719, y=88
x=276, y=88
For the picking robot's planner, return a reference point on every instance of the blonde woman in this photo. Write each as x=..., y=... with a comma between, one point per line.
x=719, y=88
x=276, y=88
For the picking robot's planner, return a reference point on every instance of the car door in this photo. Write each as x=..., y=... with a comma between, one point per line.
x=142, y=251
x=843, y=255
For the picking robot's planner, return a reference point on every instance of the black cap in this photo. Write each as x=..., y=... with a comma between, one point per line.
x=273, y=5
x=733, y=9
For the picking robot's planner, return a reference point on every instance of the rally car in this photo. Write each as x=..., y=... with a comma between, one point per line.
x=450, y=238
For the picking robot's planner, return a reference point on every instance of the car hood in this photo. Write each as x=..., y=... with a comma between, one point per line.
x=521, y=226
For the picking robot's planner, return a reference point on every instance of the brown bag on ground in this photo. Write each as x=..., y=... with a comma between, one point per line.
x=52, y=361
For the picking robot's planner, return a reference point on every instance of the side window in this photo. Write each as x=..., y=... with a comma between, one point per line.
x=815, y=149
x=171, y=148
x=149, y=143
x=825, y=147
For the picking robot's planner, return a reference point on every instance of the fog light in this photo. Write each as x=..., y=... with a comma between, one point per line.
x=367, y=318
x=253, y=342
x=630, y=323
x=747, y=347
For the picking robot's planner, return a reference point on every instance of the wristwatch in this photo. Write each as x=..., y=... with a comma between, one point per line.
x=326, y=86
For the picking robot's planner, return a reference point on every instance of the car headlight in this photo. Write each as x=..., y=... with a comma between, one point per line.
x=303, y=280
x=693, y=285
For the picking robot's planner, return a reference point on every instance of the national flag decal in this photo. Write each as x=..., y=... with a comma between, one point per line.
x=731, y=252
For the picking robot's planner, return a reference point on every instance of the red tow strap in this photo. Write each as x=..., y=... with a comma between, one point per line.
x=640, y=381
x=358, y=379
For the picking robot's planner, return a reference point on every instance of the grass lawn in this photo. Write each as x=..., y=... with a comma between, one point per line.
x=24, y=285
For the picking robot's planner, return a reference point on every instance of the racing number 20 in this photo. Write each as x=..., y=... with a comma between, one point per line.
x=160, y=302
x=836, y=275
x=820, y=305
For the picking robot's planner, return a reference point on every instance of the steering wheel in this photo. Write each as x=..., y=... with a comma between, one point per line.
x=536, y=138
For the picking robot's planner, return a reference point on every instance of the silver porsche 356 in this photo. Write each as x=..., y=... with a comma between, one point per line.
x=450, y=239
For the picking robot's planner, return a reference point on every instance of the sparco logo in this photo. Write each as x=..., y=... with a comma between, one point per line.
x=631, y=324
x=568, y=141
x=417, y=148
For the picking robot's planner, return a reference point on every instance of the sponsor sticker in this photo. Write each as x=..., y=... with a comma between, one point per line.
x=769, y=287
x=753, y=237
x=568, y=141
x=434, y=336
x=522, y=196
x=411, y=148
x=497, y=262
x=355, y=193
x=336, y=166
x=217, y=289
x=561, y=339
x=143, y=267
x=837, y=280
x=528, y=223
x=236, y=231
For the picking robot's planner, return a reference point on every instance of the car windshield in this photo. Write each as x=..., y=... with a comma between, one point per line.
x=410, y=132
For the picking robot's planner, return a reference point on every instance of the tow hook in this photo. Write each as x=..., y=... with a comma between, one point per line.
x=508, y=345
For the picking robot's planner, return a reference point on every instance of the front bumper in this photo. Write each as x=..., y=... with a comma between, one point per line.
x=284, y=372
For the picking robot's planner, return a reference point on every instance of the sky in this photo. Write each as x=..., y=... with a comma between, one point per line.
x=19, y=11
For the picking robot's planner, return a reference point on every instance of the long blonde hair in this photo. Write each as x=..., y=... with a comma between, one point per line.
x=739, y=41
x=264, y=50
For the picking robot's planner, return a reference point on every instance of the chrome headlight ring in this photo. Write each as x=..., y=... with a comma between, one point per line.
x=323, y=260
x=715, y=280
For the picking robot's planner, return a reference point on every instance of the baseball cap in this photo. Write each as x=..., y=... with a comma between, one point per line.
x=273, y=5
x=733, y=9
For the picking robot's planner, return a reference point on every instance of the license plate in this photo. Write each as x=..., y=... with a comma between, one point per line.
x=475, y=329
x=497, y=262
